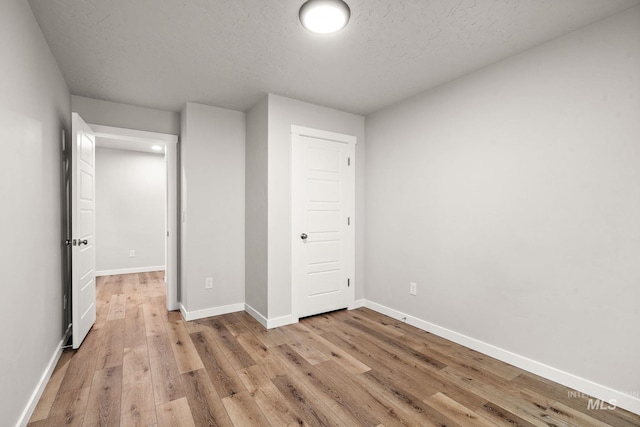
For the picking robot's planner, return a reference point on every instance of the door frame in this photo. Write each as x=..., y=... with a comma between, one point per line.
x=171, y=156
x=297, y=131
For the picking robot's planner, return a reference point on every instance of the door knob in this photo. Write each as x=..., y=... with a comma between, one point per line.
x=304, y=236
x=83, y=242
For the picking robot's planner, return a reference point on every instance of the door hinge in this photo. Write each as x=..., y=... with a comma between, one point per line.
x=348, y=220
x=348, y=161
x=348, y=282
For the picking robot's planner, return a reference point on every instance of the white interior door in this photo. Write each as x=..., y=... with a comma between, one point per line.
x=83, y=258
x=323, y=223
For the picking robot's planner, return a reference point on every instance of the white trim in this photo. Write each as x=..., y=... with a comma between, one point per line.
x=129, y=270
x=358, y=303
x=599, y=391
x=42, y=384
x=256, y=315
x=131, y=134
x=323, y=134
x=170, y=141
x=276, y=322
x=171, y=226
x=210, y=312
x=270, y=323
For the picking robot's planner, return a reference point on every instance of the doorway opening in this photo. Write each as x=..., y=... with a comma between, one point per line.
x=140, y=142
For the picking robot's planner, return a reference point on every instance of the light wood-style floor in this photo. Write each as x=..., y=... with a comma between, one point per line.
x=143, y=366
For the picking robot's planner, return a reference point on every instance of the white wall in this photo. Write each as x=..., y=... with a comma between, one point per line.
x=130, y=211
x=35, y=107
x=106, y=113
x=256, y=203
x=283, y=112
x=511, y=197
x=212, y=162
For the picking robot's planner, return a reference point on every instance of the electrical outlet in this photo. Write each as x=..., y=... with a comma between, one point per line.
x=132, y=253
x=413, y=288
x=208, y=283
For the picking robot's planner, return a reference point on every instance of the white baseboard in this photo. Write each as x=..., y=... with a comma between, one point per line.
x=130, y=270
x=285, y=320
x=281, y=321
x=256, y=315
x=209, y=312
x=599, y=391
x=42, y=384
x=269, y=323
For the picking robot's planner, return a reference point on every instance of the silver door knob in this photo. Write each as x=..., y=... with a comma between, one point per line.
x=83, y=242
x=304, y=236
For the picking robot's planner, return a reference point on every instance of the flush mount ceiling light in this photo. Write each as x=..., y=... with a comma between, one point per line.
x=324, y=16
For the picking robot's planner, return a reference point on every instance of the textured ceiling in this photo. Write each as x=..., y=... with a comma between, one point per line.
x=230, y=53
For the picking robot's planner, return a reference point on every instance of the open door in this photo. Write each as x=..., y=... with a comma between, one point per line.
x=83, y=255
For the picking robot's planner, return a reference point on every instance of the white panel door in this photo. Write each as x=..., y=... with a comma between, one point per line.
x=83, y=258
x=323, y=192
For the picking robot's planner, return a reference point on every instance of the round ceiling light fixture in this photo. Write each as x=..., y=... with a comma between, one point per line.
x=324, y=16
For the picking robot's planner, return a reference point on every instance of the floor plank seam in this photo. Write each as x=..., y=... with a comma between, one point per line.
x=344, y=368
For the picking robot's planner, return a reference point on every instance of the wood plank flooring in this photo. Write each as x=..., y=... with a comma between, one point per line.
x=143, y=366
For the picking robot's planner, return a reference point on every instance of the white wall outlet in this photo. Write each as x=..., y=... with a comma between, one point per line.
x=132, y=253
x=208, y=283
x=413, y=288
